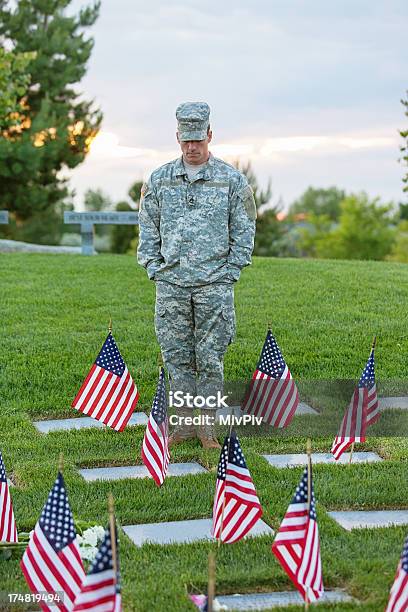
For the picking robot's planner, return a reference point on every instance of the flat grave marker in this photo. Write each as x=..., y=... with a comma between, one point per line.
x=137, y=418
x=138, y=471
x=300, y=459
x=87, y=221
x=367, y=519
x=182, y=532
x=265, y=601
x=396, y=403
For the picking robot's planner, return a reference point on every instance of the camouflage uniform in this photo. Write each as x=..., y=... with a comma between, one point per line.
x=195, y=237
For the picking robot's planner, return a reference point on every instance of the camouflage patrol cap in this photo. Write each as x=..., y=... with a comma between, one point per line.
x=193, y=120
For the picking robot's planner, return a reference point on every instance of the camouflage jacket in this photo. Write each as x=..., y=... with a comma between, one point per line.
x=198, y=232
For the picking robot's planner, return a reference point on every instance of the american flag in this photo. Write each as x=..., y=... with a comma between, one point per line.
x=236, y=504
x=398, y=601
x=51, y=561
x=100, y=591
x=272, y=394
x=362, y=411
x=155, y=447
x=108, y=393
x=297, y=545
x=8, y=531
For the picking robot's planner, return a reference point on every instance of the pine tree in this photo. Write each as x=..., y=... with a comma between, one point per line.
x=58, y=124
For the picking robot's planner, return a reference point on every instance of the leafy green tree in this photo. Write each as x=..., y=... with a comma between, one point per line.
x=403, y=211
x=399, y=250
x=319, y=202
x=123, y=236
x=270, y=231
x=96, y=200
x=58, y=124
x=312, y=235
x=404, y=147
x=14, y=81
x=364, y=231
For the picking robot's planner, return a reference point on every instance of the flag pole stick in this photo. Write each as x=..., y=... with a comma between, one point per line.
x=112, y=529
x=351, y=453
x=110, y=325
x=61, y=462
x=225, y=496
x=309, y=495
x=160, y=362
x=211, y=581
x=374, y=342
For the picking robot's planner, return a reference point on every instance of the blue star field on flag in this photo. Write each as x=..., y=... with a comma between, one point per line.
x=367, y=378
x=236, y=456
x=404, y=557
x=271, y=361
x=300, y=496
x=159, y=408
x=109, y=357
x=56, y=519
x=103, y=560
x=3, y=477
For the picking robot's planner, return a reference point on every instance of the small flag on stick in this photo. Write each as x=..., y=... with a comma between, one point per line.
x=108, y=393
x=100, y=591
x=155, y=447
x=51, y=562
x=362, y=411
x=297, y=545
x=236, y=504
x=398, y=600
x=272, y=393
x=8, y=531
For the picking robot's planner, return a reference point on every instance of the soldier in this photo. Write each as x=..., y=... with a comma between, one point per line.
x=197, y=227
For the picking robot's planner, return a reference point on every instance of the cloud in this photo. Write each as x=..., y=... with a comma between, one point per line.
x=310, y=92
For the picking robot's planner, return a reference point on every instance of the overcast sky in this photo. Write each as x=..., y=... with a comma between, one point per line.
x=308, y=91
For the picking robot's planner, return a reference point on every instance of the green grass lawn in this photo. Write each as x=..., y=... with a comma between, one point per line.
x=55, y=311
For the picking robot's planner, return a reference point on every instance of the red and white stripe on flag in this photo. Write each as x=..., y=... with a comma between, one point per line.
x=8, y=531
x=98, y=593
x=398, y=601
x=273, y=399
x=297, y=545
x=155, y=446
x=272, y=393
x=236, y=504
x=51, y=562
x=46, y=570
x=373, y=408
x=155, y=450
x=108, y=393
x=354, y=424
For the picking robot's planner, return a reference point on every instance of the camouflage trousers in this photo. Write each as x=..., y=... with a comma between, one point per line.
x=194, y=326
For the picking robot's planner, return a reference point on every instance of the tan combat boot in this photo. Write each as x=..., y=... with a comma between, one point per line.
x=181, y=431
x=206, y=430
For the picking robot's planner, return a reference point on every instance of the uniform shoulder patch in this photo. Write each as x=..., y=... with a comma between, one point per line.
x=143, y=191
x=248, y=199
